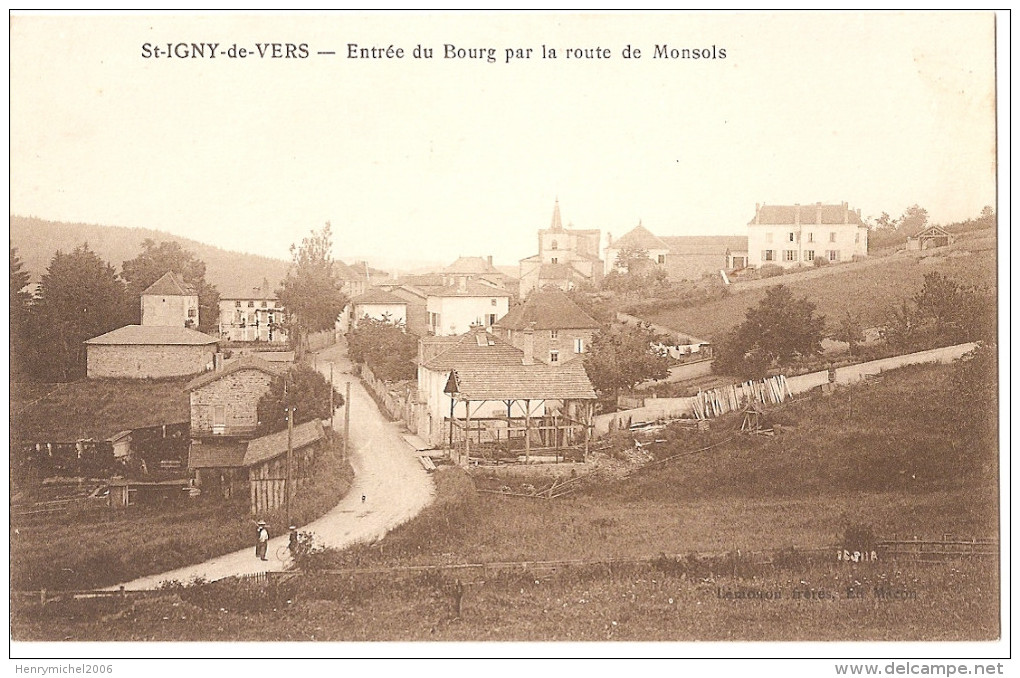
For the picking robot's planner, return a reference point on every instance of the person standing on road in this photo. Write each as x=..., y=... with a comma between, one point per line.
x=261, y=541
x=293, y=542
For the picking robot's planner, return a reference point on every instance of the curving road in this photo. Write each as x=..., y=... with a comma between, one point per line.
x=387, y=473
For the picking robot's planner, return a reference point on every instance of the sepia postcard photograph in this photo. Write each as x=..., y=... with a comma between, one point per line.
x=518, y=334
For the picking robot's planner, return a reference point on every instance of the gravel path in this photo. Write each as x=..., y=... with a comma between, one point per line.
x=388, y=475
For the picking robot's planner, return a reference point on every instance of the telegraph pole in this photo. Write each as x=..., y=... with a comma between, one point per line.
x=347, y=418
x=331, y=396
x=288, y=483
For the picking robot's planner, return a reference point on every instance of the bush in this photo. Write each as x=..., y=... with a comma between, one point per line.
x=770, y=271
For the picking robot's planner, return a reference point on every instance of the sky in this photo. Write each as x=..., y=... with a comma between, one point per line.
x=430, y=159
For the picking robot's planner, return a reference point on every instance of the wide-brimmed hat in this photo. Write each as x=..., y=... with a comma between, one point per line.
x=293, y=527
x=261, y=522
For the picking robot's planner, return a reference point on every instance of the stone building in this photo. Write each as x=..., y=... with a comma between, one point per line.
x=796, y=235
x=149, y=352
x=225, y=402
x=567, y=258
x=559, y=329
x=170, y=302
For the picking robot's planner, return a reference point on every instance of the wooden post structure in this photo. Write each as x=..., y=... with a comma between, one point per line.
x=527, y=431
x=331, y=396
x=467, y=430
x=347, y=418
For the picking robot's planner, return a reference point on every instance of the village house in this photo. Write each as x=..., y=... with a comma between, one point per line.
x=256, y=316
x=482, y=378
x=461, y=303
x=170, y=302
x=164, y=345
x=566, y=258
x=681, y=257
x=149, y=352
x=225, y=457
x=482, y=270
x=560, y=329
x=225, y=402
x=797, y=235
x=378, y=304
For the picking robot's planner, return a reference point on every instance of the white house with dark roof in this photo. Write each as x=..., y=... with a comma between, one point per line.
x=462, y=303
x=560, y=330
x=797, y=235
x=170, y=302
x=149, y=352
x=379, y=304
x=567, y=258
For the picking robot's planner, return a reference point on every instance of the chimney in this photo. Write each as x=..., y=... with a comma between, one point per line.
x=217, y=361
x=796, y=213
x=846, y=213
x=529, y=344
x=818, y=213
x=757, y=213
x=490, y=260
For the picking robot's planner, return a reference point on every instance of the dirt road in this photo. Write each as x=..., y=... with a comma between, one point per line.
x=388, y=475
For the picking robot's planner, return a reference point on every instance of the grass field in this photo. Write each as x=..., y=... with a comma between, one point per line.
x=901, y=457
x=865, y=291
x=100, y=546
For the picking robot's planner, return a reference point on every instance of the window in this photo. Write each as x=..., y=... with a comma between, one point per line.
x=492, y=302
x=857, y=237
x=832, y=236
x=791, y=236
x=833, y=255
x=555, y=245
x=555, y=260
x=790, y=255
x=662, y=259
x=578, y=345
x=767, y=255
x=810, y=237
x=191, y=312
x=554, y=334
x=492, y=319
x=263, y=304
x=809, y=255
x=251, y=304
x=768, y=237
x=554, y=356
x=237, y=304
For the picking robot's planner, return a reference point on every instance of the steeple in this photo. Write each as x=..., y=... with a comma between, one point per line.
x=557, y=222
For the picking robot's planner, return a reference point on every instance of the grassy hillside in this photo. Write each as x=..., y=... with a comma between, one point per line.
x=900, y=456
x=868, y=290
x=230, y=272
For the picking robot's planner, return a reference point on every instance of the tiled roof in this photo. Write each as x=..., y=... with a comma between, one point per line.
x=470, y=288
x=152, y=335
x=431, y=346
x=477, y=347
x=809, y=214
x=248, y=362
x=514, y=382
x=549, y=309
x=705, y=244
x=217, y=454
x=556, y=272
x=170, y=284
x=374, y=295
x=639, y=236
x=472, y=265
x=275, y=444
x=211, y=453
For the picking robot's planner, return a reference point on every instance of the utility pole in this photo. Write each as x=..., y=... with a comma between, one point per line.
x=347, y=418
x=331, y=397
x=288, y=483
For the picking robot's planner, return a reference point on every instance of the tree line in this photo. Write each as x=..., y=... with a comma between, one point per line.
x=80, y=296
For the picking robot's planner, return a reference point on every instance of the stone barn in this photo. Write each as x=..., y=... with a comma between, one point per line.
x=149, y=352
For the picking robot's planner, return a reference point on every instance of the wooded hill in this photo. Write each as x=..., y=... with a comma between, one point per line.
x=233, y=273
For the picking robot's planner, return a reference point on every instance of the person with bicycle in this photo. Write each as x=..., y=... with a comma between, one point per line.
x=292, y=544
